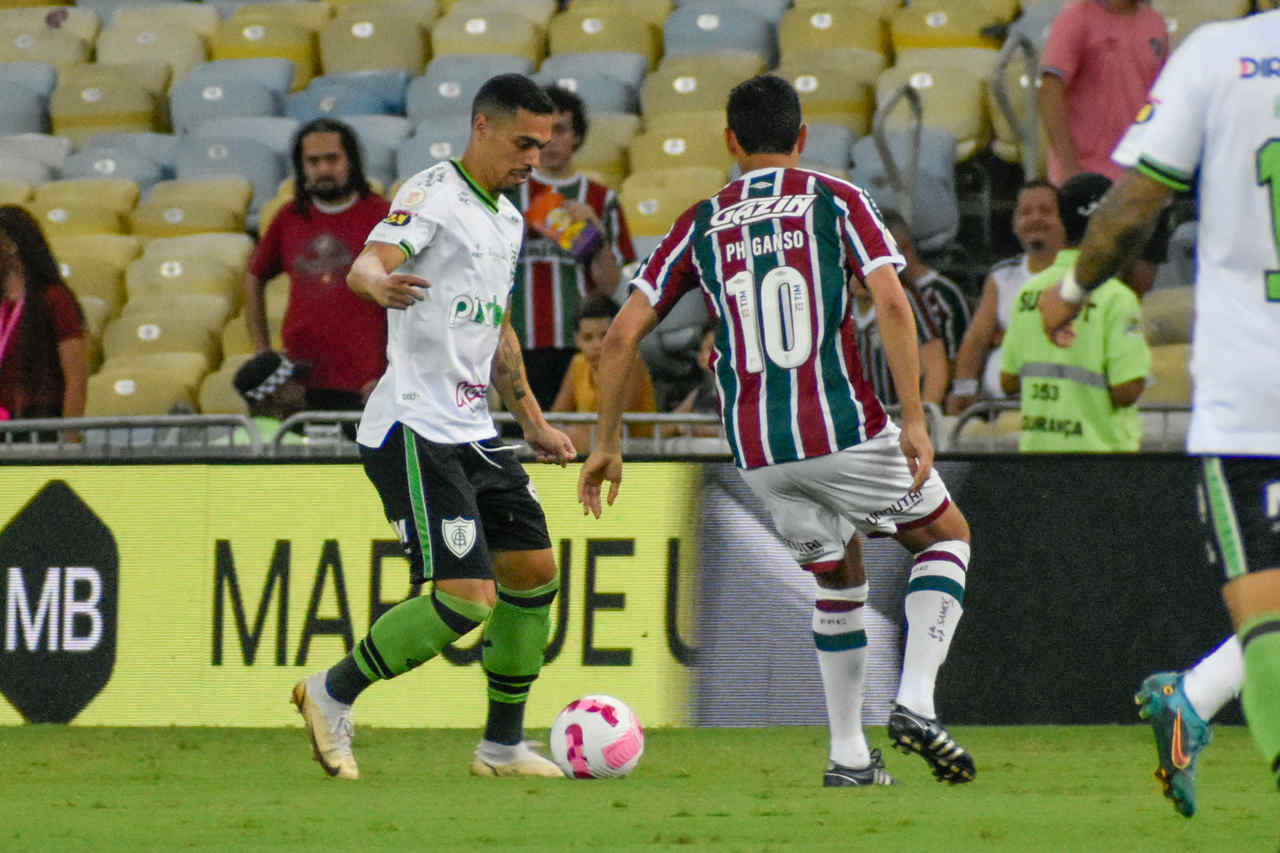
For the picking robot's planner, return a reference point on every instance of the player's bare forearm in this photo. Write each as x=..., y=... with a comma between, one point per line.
x=898, y=336
x=510, y=380
x=1119, y=228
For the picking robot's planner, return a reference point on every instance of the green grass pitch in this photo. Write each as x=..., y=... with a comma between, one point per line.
x=1038, y=788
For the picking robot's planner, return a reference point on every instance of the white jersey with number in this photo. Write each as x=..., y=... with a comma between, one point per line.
x=465, y=242
x=1216, y=106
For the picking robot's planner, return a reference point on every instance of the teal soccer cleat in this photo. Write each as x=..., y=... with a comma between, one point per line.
x=1180, y=736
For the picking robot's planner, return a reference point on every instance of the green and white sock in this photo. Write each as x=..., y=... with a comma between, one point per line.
x=841, y=640
x=414, y=631
x=515, y=642
x=935, y=595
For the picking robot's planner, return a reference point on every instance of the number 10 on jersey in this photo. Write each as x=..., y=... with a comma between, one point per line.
x=781, y=329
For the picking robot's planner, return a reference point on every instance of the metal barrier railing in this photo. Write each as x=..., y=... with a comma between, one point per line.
x=1168, y=436
x=151, y=435
x=1027, y=130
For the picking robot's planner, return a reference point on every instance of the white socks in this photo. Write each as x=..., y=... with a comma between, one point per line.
x=935, y=593
x=1216, y=679
x=841, y=642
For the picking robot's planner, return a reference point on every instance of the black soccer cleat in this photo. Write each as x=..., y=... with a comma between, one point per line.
x=839, y=776
x=910, y=732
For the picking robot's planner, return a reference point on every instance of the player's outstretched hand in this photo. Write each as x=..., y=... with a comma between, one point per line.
x=600, y=466
x=551, y=445
x=918, y=449
x=1056, y=313
x=399, y=290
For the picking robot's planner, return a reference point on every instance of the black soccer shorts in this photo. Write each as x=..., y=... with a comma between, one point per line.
x=451, y=505
x=1240, y=499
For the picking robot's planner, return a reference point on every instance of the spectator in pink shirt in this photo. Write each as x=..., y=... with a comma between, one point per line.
x=1098, y=65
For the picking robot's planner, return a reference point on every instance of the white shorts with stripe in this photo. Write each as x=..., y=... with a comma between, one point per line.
x=818, y=503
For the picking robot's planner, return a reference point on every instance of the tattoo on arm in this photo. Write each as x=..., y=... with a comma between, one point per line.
x=1119, y=229
x=508, y=368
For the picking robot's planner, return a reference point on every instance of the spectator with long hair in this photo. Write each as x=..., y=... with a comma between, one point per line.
x=44, y=365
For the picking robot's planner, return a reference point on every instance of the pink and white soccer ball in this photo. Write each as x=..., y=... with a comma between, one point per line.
x=597, y=737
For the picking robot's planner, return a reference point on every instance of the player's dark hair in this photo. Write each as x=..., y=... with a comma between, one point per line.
x=504, y=94
x=569, y=102
x=597, y=306
x=764, y=113
x=350, y=145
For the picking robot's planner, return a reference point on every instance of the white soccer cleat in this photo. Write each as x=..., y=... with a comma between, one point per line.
x=328, y=723
x=495, y=759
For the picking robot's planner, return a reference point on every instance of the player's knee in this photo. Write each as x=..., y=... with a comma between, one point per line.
x=477, y=590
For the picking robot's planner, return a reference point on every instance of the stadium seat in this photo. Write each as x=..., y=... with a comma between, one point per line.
x=653, y=12
x=651, y=201
x=595, y=28
x=375, y=39
x=199, y=18
x=1168, y=315
x=388, y=84
x=936, y=217
x=945, y=23
x=432, y=141
x=999, y=436
x=39, y=77
x=126, y=390
x=38, y=43
x=193, y=102
x=157, y=274
x=1019, y=81
x=704, y=28
x=141, y=333
x=1170, y=379
x=676, y=140
x=24, y=170
x=830, y=33
x=82, y=217
x=627, y=68
x=118, y=194
x=953, y=99
x=232, y=249
x=276, y=132
x=236, y=39
x=94, y=282
x=829, y=145
x=1035, y=20
x=218, y=156
x=191, y=367
x=677, y=89
x=443, y=91
x=495, y=32
x=1181, y=17
x=603, y=156
x=830, y=95
x=80, y=21
x=308, y=14
x=105, y=102
x=231, y=192
x=331, y=100
x=113, y=250
x=15, y=192
x=537, y=11
x=208, y=310
x=599, y=93
x=52, y=151
x=157, y=149
x=379, y=137
x=178, y=48
x=613, y=128
x=153, y=218
x=22, y=111
x=218, y=394
x=274, y=73
x=235, y=337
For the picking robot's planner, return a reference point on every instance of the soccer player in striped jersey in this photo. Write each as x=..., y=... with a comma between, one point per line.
x=1215, y=108
x=773, y=254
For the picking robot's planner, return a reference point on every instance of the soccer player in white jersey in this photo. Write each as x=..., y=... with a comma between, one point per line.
x=1215, y=108
x=773, y=254
x=444, y=262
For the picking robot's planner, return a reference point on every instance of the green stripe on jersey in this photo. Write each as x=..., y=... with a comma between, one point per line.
x=844, y=412
x=779, y=412
x=1222, y=515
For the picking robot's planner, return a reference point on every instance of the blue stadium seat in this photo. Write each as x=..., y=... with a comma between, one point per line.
x=193, y=101
x=255, y=161
x=708, y=29
x=389, y=85
x=829, y=145
x=22, y=110
x=52, y=151
x=120, y=160
x=330, y=99
x=630, y=68
x=24, y=169
x=276, y=132
x=443, y=91
x=160, y=148
x=467, y=64
x=936, y=217
x=379, y=137
x=39, y=77
x=770, y=10
x=432, y=141
x=600, y=94
x=273, y=73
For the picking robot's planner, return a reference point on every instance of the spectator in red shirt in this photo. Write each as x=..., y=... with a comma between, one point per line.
x=314, y=238
x=44, y=366
x=1098, y=65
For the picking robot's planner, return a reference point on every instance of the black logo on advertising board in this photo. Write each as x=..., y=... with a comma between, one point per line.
x=59, y=583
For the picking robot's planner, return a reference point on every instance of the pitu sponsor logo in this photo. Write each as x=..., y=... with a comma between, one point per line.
x=486, y=312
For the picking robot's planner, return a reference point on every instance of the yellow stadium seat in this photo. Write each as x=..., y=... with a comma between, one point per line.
x=653, y=12
x=953, y=99
x=141, y=332
x=115, y=250
x=231, y=192
x=150, y=74
x=208, y=310
x=218, y=394
x=200, y=18
x=1168, y=315
x=84, y=23
x=423, y=13
x=537, y=11
x=676, y=140
x=105, y=101
x=830, y=31
x=99, y=282
x=1170, y=379
x=232, y=249
x=117, y=194
x=944, y=23
x=614, y=128
x=609, y=27
x=1001, y=435
x=174, y=219
x=1020, y=81
x=309, y=13
x=15, y=192
x=235, y=336
x=371, y=40
x=178, y=48
x=651, y=201
x=155, y=273
x=190, y=366
x=675, y=91
x=742, y=63
x=96, y=314
x=294, y=42
x=495, y=32
x=83, y=217
x=1181, y=17
x=831, y=95
x=126, y=391
x=58, y=47
x=604, y=156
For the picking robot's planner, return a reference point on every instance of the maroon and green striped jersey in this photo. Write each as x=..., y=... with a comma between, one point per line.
x=551, y=283
x=773, y=253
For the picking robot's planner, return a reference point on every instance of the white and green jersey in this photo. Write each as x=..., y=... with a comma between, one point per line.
x=1216, y=108
x=465, y=242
